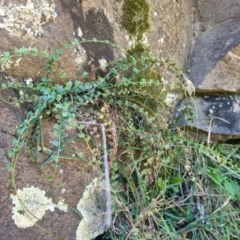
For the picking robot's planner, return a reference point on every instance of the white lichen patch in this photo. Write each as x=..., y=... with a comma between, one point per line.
x=6, y=64
x=80, y=56
x=103, y=63
x=26, y=21
x=189, y=86
x=28, y=81
x=171, y=98
x=236, y=107
x=80, y=33
x=91, y=206
x=30, y=205
x=62, y=206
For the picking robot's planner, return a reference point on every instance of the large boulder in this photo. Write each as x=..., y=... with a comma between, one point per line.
x=213, y=68
x=213, y=61
x=210, y=118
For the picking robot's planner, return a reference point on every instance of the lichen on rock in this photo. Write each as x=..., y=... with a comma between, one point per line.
x=27, y=20
x=92, y=207
x=31, y=205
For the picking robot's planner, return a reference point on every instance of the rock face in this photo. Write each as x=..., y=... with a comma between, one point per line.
x=214, y=58
x=213, y=67
x=201, y=36
x=47, y=25
x=218, y=116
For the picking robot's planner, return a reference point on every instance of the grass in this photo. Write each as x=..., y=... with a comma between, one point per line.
x=164, y=184
x=189, y=191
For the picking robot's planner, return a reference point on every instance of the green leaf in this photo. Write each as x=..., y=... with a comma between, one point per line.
x=10, y=167
x=53, y=157
x=45, y=54
x=3, y=85
x=46, y=79
x=17, y=52
x=10, y=153
x=136, y=70
x=24, y=50
x=55, y=143
x=215, y=176
x=57, y=126
x=64, y=114
x=85, y=74
x=59, y=51
x=67, y=45
x=49, y=177
x=175, y=180
x=54, y=57
x=59, y=89
x=62, y=75
x=7, y=55
x=69, y=85
x=75, y=41
x=232, y=188
x=34, y=51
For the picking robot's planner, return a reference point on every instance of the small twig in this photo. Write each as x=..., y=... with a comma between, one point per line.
x=209, y=128
x=224, y=204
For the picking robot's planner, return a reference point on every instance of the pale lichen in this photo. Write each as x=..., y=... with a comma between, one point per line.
x=27, y=20
x=92, y=207
x=31, y=205
x=171, y=98
x=103, y=63
x=5, y=64
x=80, y=56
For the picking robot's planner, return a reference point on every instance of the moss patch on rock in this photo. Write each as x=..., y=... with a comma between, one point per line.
x=138, y=49
x=135, y=18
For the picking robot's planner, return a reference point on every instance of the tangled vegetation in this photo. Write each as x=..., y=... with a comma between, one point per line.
x=164, y=184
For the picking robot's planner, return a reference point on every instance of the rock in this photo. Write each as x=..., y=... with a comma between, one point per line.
x=211, y=46
x=213, y=67
x=92, y=207
x=224, y=77
x=217, y=115
x=215, y=47
x=48, y=26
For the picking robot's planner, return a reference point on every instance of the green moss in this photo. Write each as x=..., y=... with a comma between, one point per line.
x=135, y=18
x=138, y=48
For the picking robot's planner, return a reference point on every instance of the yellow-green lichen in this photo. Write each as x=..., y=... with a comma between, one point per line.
x=135, y=18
